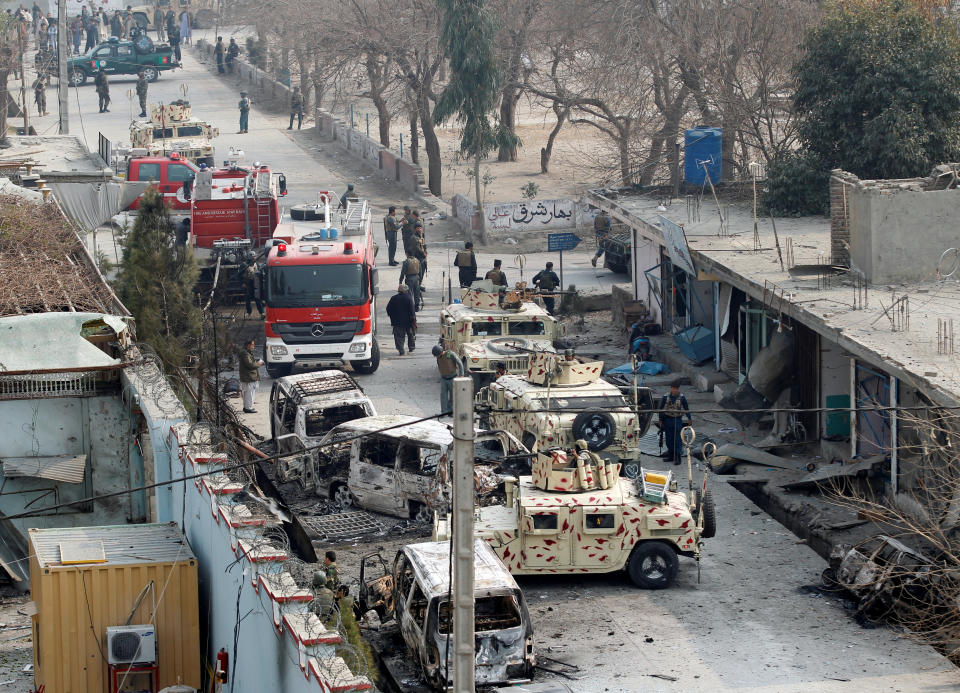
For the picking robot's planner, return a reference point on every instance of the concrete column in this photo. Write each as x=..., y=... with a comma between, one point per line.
x=464, y=655
x=853, y=407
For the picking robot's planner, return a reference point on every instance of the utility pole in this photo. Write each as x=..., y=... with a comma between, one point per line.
x=464, y=654
x=64, y=86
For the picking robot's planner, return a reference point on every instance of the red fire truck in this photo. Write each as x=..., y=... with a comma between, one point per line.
x=320, y=288
x=233, y=213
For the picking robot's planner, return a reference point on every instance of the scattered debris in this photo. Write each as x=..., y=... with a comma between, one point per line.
x=870, y=467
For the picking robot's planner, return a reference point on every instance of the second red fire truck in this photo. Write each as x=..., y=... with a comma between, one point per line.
x=320, y=289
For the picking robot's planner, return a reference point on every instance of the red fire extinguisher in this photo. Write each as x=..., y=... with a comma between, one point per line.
x=223, y=665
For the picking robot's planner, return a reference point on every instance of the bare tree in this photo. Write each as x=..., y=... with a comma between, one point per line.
x=920, y=594
x=515, y=20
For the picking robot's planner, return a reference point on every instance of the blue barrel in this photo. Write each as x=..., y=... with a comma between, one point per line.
x=333, y=232
x=702, y=145
x=324, y=234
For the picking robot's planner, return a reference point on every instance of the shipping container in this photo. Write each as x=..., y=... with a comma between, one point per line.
x=86, y=579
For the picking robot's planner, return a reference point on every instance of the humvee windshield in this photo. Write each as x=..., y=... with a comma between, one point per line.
x=587, y=402
x=487, y=329
x=190, y=131
x=527, y=327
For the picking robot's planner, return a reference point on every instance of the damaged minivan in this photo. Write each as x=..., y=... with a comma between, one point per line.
x=394, y=464
x=421, y=607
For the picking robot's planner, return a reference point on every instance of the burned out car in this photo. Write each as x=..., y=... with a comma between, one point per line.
x=307, y=406
x=893, y=581
x=416, y=593
x=397, y=465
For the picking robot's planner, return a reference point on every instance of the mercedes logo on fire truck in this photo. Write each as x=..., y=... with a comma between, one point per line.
x=317, y=330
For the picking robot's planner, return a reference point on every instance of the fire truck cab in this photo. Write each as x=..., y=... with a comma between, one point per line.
x=168, y=173
x=320, y=294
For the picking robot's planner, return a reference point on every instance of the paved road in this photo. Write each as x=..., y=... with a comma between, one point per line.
x=746, y=626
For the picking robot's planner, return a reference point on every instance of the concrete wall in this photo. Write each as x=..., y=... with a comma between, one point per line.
x=238, y=563
x=900, y=236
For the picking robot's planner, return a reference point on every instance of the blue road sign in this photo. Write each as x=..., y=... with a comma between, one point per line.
x=562, y=241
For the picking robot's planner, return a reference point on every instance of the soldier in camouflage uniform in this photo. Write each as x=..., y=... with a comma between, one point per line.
x=103, y=90
x=142, y=93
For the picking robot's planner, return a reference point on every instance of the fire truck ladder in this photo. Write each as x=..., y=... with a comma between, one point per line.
x=353, y=218
x=264, y=216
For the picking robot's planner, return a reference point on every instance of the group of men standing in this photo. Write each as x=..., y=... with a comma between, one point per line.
x=414, y=266
x=225, y=56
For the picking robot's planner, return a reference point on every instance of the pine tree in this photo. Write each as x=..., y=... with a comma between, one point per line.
x=468, y=35
x=156, y=280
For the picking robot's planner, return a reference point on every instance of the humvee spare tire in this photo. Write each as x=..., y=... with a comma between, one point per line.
x=596, y=427
x=709, y=514
x=504, y=345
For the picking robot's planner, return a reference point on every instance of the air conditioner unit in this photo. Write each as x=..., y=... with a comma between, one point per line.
x=132, y=644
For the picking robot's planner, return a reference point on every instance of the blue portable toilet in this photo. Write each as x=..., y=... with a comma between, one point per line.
x=702, y=145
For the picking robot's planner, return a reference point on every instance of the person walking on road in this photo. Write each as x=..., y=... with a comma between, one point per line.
x=40, y=94
x=218, y=52
x=390, y=228
x=158, y=22
x=142, y=93
x=406, y=231
x=93, y=33
x=420, y=250
x=296, y=108
x=103, y=90
x=173, y=38
x=249, y=376
x=403, y=319
x=547, y=280
x=116, y=24
x=673, y=409
x=244, y=107
x=466, y=262
x=410, y=275
x=186, y=33
x=601, y=227
x=233, y=50
x=450, y=366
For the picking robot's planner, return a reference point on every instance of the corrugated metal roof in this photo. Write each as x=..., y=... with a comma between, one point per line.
x=122, y=544
x=68, y=468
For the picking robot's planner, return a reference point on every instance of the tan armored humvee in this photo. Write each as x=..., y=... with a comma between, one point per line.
x=483, y=331
x=574, y=515
x=172, y=128
x=560, y=400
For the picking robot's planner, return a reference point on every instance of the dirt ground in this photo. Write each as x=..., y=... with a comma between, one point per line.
x=16, y=642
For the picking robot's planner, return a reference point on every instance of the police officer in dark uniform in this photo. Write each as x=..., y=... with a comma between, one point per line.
x=410, y=275
x=296, y=108
x=466, y=262
x=496, y=275
x=390, y=228
x=218, y=52
x=673, y=409
x=547, y=280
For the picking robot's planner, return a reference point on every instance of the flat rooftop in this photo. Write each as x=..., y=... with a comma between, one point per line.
x=859, y=319
x=64, y=153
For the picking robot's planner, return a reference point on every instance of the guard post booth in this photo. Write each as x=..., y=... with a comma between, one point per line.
x=116, y=609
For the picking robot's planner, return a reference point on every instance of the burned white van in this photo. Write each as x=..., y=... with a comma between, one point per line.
x=421, y=605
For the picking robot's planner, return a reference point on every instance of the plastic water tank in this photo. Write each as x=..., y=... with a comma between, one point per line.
x=702, y=146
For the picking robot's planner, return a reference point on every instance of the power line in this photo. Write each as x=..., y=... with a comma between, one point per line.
x=219, y=470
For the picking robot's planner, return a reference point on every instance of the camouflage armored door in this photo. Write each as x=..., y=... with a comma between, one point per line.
x=546, y=537
x=595, y=540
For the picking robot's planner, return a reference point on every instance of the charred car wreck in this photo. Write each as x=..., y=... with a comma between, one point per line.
x=416, y=594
